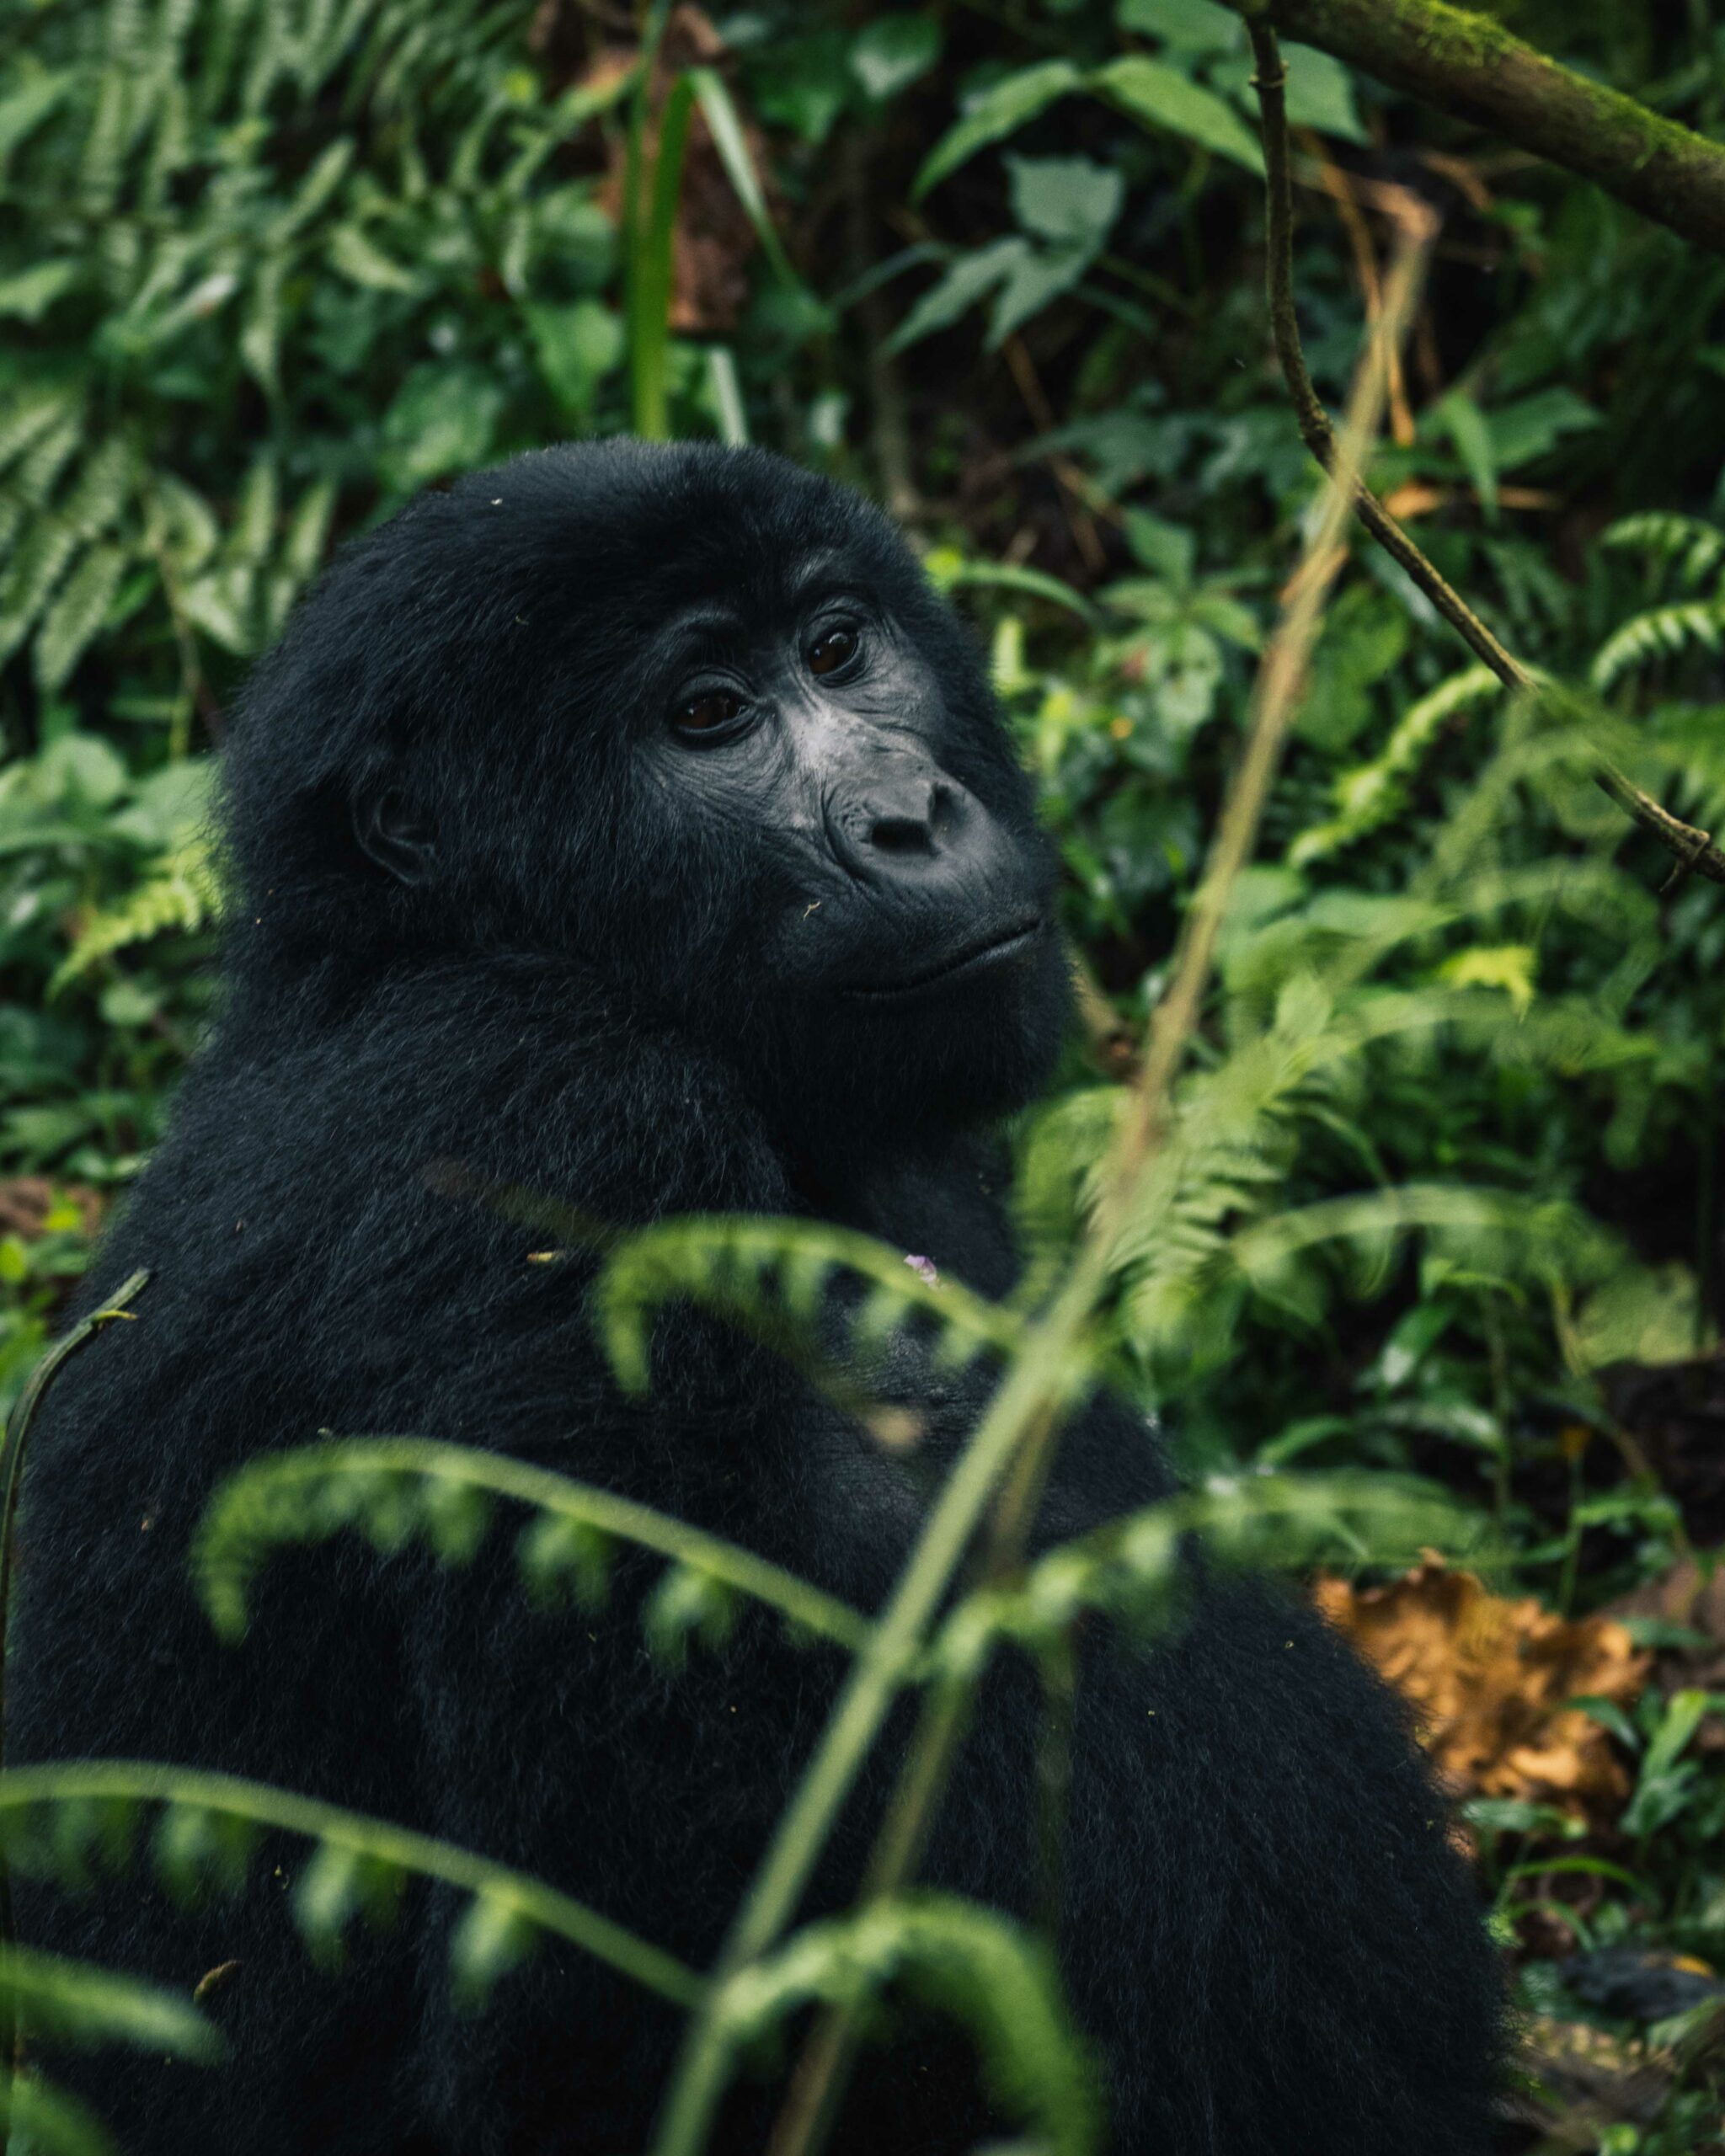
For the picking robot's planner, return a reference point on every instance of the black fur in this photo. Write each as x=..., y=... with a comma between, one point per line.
x=595, y=990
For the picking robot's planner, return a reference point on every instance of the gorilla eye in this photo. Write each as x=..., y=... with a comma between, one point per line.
x=830, y=649
x=710, y=713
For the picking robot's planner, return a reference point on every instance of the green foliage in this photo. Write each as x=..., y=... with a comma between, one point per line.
x=67, y=2002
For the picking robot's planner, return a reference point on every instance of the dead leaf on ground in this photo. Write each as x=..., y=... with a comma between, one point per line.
x=1489, y=1677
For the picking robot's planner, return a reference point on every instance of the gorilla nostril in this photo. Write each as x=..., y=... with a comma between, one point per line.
x=901, y=835
x=902, y=831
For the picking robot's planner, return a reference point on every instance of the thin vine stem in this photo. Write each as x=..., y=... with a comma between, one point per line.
x=1693, y=848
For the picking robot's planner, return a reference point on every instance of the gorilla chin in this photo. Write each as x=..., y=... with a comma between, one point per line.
x=950, y=1045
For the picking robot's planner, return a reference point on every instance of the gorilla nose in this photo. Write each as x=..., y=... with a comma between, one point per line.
x=899, y=823
x=911, y=825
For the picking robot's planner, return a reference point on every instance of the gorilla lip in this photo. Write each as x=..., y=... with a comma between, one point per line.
x=970, y=957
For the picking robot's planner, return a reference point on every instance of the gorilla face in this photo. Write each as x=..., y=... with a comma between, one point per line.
x=821, y=737
x=695, y=717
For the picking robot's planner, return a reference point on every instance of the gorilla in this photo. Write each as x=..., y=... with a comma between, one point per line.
x=633, y=826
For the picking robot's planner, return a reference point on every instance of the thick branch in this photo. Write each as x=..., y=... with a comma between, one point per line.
x=1470, y=66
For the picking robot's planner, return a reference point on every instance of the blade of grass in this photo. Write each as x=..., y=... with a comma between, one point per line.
x=650, y=293
x=724, y=124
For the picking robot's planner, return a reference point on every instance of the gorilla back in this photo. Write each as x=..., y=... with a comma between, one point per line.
x=634, y=827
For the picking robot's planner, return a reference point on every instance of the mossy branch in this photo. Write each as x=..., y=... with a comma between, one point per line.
x=1692, y=848
x=1470, y=66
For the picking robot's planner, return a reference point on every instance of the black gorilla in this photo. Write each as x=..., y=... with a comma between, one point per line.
x=634, y=825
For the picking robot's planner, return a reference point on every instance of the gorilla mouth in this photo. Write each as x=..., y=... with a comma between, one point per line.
x=971, y=958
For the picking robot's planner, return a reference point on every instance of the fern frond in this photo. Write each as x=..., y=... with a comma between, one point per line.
x=391, y=1490
x=54, y=1818
x=1374, y=793
x=1661, y=633
x=1663, y=537
x=73, y=2002
x=183, y=893
x=74, y=620
x=772, y=1279
x=996, y=1980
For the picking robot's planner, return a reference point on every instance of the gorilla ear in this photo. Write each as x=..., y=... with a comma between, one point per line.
x=402, y=843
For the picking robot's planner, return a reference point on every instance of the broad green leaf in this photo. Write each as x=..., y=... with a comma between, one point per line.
x=1036, y=276
x=804, y=85
x=1184, y=25
x=29, y=293
x=1001, y=110
x=1160, y=96
x=1320, y=94
x=1169, y=550
x=1071, y=201
x=443, y=418
x=890, y=52
x=1528, y=428
x=577, y=346
x=968, y=279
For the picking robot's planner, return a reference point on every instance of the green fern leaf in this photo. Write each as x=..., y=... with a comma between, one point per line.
x=184, y=893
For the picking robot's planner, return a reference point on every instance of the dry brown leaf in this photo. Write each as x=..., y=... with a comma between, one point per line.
x=1489, y=1677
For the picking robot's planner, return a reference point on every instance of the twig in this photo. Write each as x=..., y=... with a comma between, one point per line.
x=1693, y=848
x=18, y=1430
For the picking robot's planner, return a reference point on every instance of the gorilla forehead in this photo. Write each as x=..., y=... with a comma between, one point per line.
x=601, y=543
